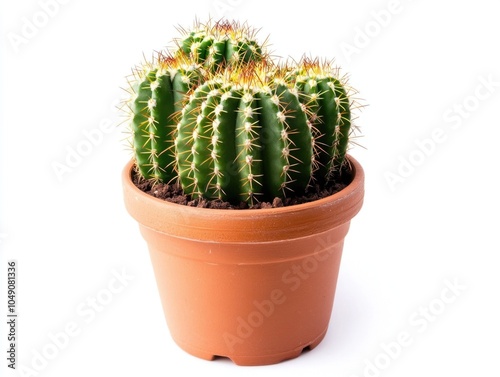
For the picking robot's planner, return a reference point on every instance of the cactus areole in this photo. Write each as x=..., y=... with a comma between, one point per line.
x=219, y=118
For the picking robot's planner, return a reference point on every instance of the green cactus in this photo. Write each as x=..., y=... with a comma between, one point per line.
x=244, y=142
x=225, y=122
x=217, y=45
x=158, y=95
x=328, y=99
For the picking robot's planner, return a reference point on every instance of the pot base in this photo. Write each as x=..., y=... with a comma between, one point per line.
x=243, y=360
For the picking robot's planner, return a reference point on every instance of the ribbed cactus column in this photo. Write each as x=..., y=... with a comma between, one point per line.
x=158, y=93
x=217, y=45
x=246, y=143
x=329, y=115
x=152, y=125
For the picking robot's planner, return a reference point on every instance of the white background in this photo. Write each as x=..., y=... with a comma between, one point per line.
x=420, y=65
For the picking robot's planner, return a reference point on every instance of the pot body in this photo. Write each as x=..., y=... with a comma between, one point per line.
x=256, y=286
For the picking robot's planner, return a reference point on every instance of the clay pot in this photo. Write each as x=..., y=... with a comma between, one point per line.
x=256, y=286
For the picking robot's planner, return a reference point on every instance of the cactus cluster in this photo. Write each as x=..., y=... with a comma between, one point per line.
x=219, y=117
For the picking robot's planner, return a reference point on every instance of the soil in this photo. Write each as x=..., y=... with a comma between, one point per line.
x=173, y=193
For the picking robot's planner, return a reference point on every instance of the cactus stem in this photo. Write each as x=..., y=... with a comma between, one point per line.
x=224, y=121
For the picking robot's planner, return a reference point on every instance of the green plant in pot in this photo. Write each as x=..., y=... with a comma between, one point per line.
x=243, y=191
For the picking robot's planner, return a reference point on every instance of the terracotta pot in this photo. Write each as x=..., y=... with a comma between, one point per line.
x=256, y=286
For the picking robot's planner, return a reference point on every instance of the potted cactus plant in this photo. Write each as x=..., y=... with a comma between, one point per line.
x=243, y=190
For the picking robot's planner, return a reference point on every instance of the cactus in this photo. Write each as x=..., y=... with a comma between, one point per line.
x=253, y=137
x=245, y=143
x=158, y=95
x=222, y=120
x=218, y=45
x=328, y=99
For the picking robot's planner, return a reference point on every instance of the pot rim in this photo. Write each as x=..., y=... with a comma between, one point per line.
x=245, y=225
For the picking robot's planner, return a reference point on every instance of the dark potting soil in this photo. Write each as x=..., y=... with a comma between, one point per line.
x=173, y=193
